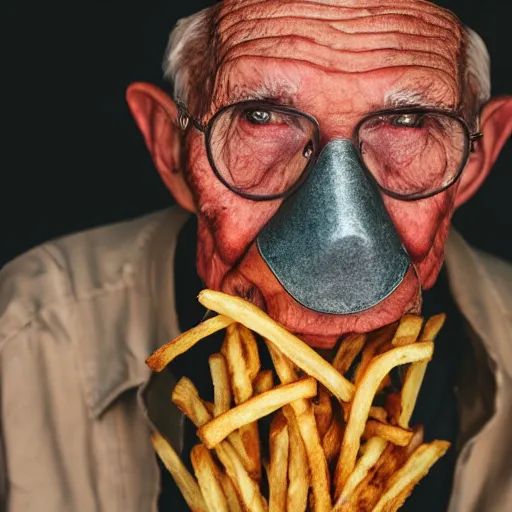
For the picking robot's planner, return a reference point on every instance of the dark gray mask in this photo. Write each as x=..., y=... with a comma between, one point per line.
x=332, y=245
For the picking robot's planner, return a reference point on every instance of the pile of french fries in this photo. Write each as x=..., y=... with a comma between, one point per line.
x=334, y=444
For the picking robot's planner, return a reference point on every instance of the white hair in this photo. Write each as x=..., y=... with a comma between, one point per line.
x=189, y=58
x=189, y=63
x=478, y=67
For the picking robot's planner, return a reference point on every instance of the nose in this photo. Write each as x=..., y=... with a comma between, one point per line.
x=332, y=245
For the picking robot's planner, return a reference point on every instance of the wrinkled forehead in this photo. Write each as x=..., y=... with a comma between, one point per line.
x=347, y=37
x=416, y=17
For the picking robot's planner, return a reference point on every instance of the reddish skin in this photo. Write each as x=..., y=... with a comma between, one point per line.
x=403, y=46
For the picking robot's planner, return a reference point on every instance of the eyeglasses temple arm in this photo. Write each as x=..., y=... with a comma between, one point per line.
x=474, y=137
x=185, y=118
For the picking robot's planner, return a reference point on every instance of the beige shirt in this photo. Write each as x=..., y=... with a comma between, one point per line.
x=78, y=317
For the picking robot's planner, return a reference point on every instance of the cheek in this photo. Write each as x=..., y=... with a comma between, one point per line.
x=419, y=223
x=231, y=221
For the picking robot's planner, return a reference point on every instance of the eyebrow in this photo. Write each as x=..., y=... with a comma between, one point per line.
x=408, y=98
x=281, y=94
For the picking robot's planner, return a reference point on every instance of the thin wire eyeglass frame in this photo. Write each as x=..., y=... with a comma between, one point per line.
x=185, y=119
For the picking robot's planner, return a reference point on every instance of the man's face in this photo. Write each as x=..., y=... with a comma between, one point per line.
x=337, y=62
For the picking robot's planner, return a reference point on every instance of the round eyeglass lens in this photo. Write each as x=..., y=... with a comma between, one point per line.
x=413, y=154
x=261, y=151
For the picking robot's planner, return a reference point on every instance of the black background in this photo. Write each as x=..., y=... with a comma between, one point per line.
x=72, y=157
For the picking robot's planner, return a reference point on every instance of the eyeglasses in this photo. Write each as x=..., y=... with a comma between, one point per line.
x=263, y=151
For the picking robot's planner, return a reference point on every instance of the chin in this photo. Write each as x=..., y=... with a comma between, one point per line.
x=253, y=281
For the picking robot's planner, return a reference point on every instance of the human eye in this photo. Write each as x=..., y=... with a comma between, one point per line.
x=259, y=116
x=412, y=152
x=407, y=120
x=260, y=148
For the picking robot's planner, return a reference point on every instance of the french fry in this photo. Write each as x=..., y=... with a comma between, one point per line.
x=370, y=489
x=247, y=488
x=230, y=493
x=186, y=398
x=251, y=353
x=370, y=445
x=416, y=441
x=184, y=480
x=241, y=384
x=210, y=407
x=372, y=451
x=298, y=469
x=394, y=407
x=283, y=366
x=206, y=474
x=161, y=357
x=391, y=433
x=402, y=482
x=278, y=474
x=263, y=382
x=320, y=480
x=322, y=410
x=349, y=349
x=216, y=430
x=233, y=352
x=220, y=379
x=384, y=348
x=432, y=327
x=416, y=373
x=306, y=431
x=251, y=442
x=374, y=343
x=293, y=348
x=331, y=442
x=410, y=391
x=346, y=410
x=236, y=441
x=407, y=331
x=378, y=368
x=378, y=413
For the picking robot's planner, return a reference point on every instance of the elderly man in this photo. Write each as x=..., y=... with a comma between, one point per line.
x=317, y=151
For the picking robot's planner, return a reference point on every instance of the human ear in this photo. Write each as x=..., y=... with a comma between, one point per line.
x=156, y=116
x=496, y=126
